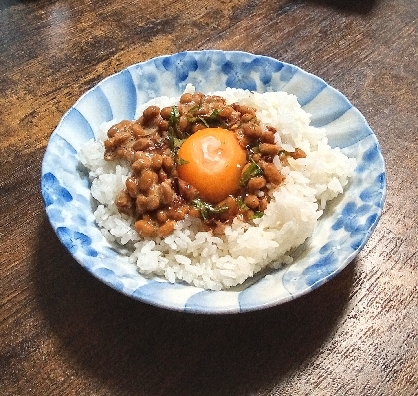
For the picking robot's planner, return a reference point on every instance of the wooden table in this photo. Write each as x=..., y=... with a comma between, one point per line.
x=62, y=332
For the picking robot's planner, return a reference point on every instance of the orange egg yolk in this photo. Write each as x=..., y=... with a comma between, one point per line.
x=212, y=160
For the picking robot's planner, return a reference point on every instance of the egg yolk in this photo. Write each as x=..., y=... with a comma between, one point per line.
x=212, y=160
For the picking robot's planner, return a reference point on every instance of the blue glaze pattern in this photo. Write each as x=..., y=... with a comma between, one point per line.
x=342, y=231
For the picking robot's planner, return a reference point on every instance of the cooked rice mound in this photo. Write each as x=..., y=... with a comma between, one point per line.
x=219, y=262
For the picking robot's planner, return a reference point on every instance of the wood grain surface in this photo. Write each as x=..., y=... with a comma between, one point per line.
x=62, y=332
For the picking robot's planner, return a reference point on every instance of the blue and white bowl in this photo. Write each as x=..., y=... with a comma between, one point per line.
x=342, y=231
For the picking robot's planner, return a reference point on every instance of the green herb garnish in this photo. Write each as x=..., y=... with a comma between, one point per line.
x=181, y=161
x=211, y=119
x=206, y=209
x=257, y=214
x=256, y=147
x=214, y=115
x=252, y=170
x=241, y=204
x=175, y=142
x=173, y=122
x=191, y=113
x=174, y=118
x=203, y=121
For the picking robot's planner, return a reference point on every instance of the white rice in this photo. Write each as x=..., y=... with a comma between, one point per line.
x=215, y=262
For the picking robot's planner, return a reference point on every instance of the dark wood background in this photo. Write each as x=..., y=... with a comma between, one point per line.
x=62, y=332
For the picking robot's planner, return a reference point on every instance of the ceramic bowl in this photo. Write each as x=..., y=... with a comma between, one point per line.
x=342, y=230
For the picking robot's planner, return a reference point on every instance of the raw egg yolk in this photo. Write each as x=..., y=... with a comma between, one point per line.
x=212, y=160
